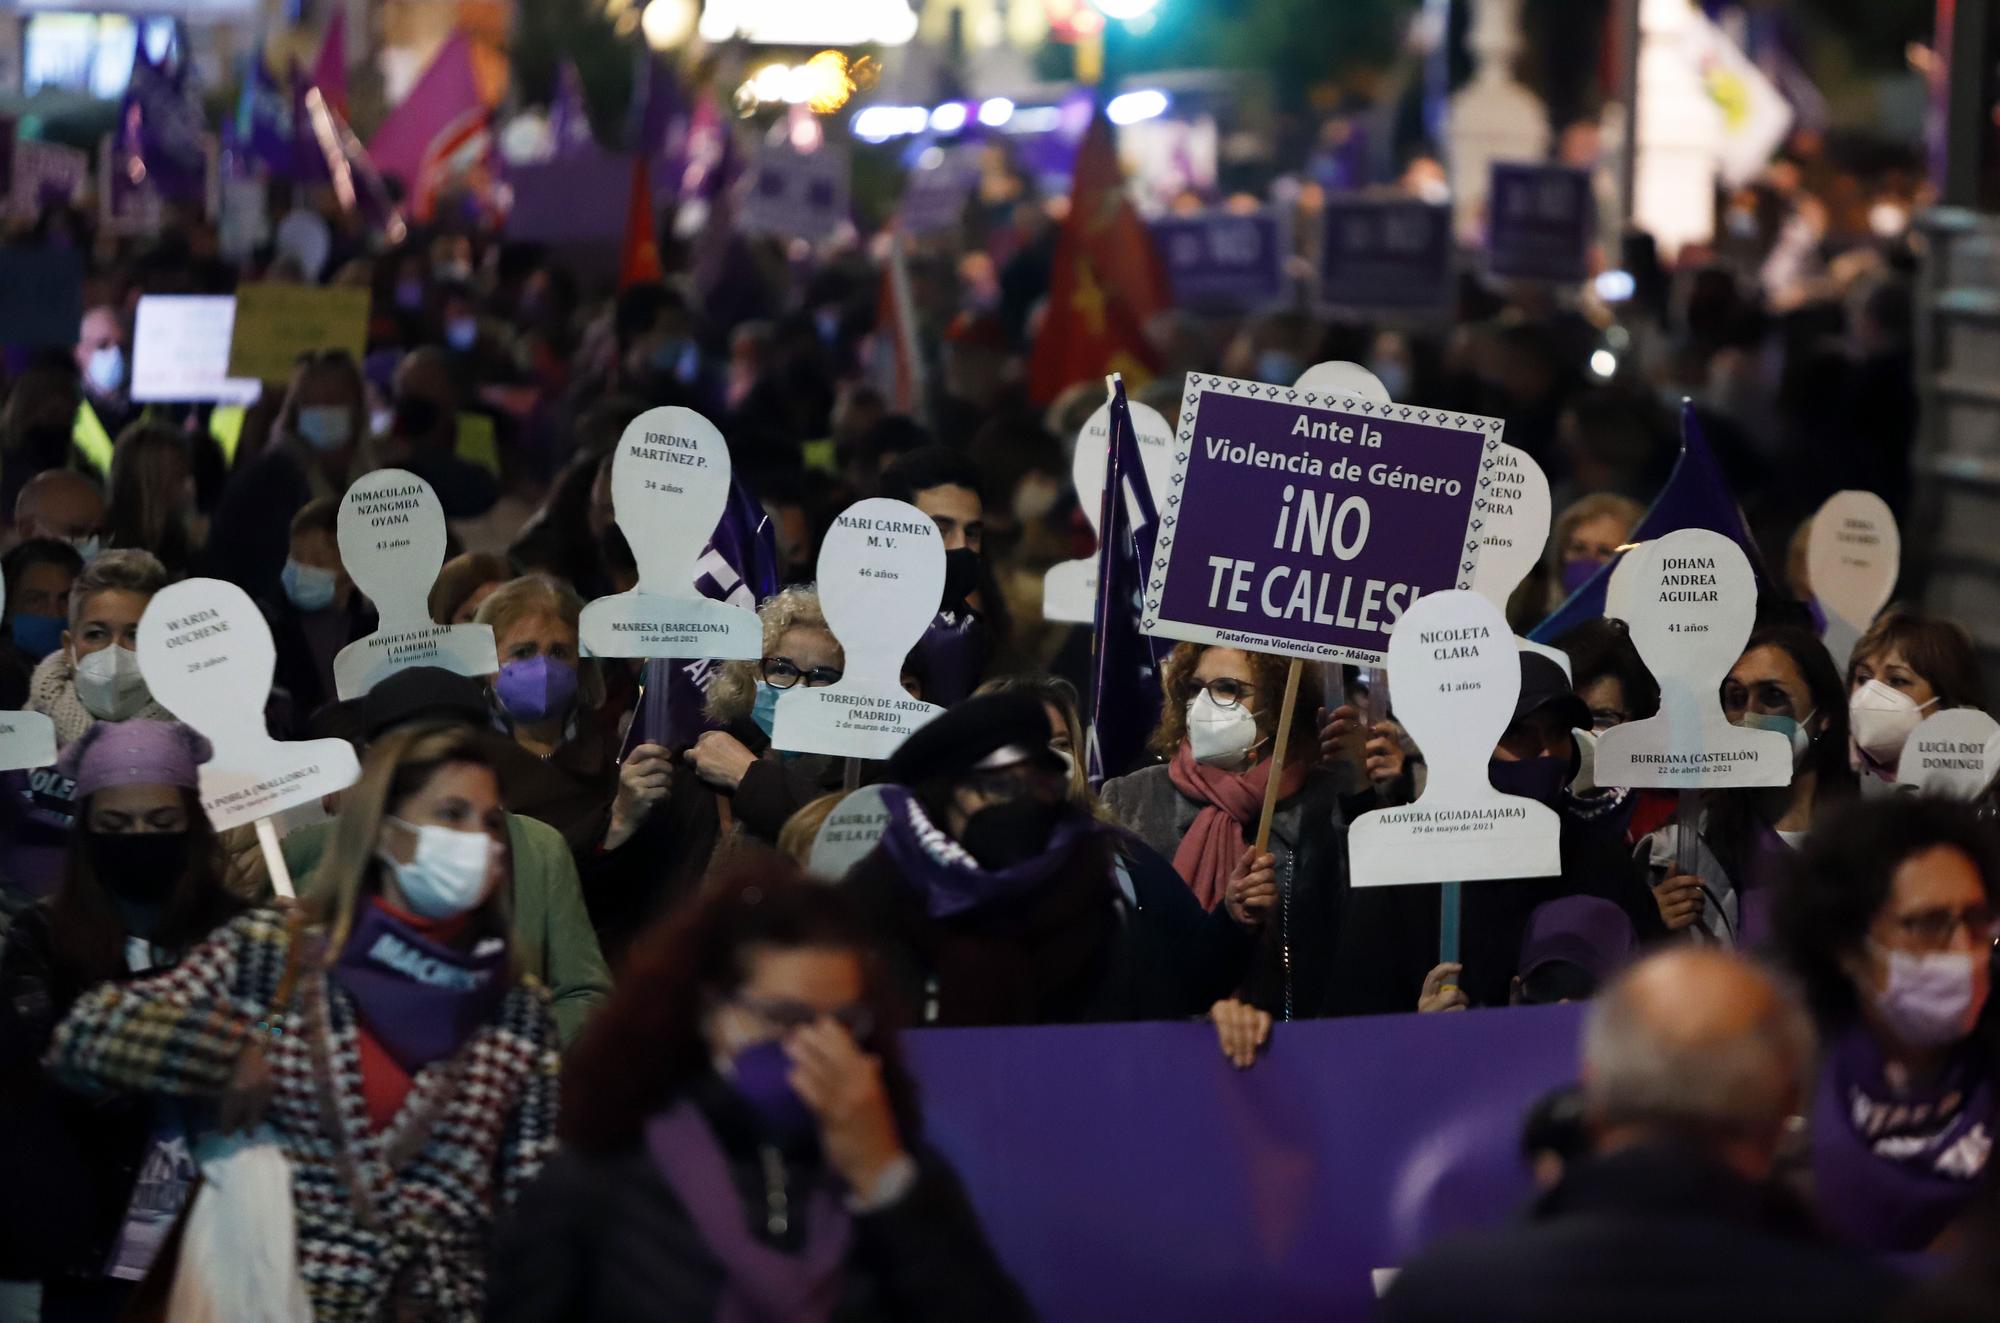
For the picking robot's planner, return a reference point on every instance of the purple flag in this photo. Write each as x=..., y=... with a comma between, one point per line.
x=309, y=163
x=263, y=137
x=160, y=126
x=1124, y=663
x=1695, y=496
x=345, y=164
x=659, y=114
x=569, y=124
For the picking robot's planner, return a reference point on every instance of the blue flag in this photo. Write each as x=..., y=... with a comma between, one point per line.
x=1124, y=663
x=1695, y=496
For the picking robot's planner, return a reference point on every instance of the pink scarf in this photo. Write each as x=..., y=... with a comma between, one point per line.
x=1232, y=800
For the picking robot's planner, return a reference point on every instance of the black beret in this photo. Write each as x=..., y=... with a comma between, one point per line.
x=984, y=732
x=423, y=693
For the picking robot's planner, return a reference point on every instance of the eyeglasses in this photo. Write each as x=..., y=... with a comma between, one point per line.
x=1934, y=929
x=783, y=673
x=1227, y=692
x=785, y=1015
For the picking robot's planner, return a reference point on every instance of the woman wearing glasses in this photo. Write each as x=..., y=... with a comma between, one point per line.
x=1890, y=923
x=740, y=1139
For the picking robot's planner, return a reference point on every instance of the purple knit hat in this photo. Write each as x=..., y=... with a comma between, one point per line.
x=139, y=752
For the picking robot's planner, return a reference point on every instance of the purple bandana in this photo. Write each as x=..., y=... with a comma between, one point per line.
x=950, y=878
x=1893, y=1168
x=418, y=998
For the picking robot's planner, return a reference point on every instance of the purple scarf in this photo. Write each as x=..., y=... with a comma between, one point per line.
x=760, y=1284
x=418, y=998
x=1892, y=1169
x=949, y=877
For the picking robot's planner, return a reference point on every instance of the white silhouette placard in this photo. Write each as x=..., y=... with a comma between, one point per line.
x=391, y=533
x=669, y=484
x=1690, y=604
x=1339, y=377
x=1853, y=554
x=881, y=579
x=1511, y=520
x=1458, y=675
x=1952, y=754
x=850, y=832
x=1069, y=590
x=207, y=656
x=27, y=739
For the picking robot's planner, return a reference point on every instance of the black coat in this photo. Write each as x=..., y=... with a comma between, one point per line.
x=604, y=1239
x=1648, y=1235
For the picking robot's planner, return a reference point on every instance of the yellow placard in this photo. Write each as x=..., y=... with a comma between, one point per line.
x=276, y=323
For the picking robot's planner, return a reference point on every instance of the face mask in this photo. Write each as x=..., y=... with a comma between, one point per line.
x=1395, y=379
x=106, y=370
x=1930, y=1000
x=87, y=547
x=417, y=417
x=1000, y=836
x=1882, y=718
x=1280, y=368
x=1792, y=730
x=461, y=334
x=765, y=711
x=38, y=636
x=326, y=426
x=1539, y=779
x=673, y=357
x=308, y=587
x=536, y=689
x=109, y=685
x=138, y=866
x=1220, y=736
x=1576, y=573
x=961, y=576
x=447, y=874
x=761, y=1075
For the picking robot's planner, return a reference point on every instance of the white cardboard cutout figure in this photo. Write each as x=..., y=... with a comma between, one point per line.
x=1069, y=590
x=1458, y=675
x=669, y=484
x=391, y=533
x=27, y=739
x=207, y=656
x=1952, y=754
x=1853, y=555
x=881, y=579
x=853, y=829
x=1690, y=603
x=1340, y=377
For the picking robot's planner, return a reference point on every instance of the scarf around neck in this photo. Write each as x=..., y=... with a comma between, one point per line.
x=52, y=692
x=415, y=995
x=1230, y=802
x=951, y=880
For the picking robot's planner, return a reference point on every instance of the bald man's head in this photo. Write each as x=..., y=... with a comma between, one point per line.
x=61, y=504
x=1698, y=1044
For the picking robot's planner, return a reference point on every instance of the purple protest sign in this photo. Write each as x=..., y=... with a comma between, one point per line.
x=1225, y=261
x=1306, y=524
x=1539, y=222
x=799, y=195
x=1126, y=1172
x=1386, y=257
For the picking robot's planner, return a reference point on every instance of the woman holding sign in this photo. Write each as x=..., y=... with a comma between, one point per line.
x=383, y=1032
x=1908, y=666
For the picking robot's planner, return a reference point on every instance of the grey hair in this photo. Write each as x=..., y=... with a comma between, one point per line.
x=124, y=570
x=732, y=689
x=1642, y=1068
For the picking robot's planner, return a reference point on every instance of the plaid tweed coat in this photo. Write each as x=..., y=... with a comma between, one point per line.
x=389, y=1223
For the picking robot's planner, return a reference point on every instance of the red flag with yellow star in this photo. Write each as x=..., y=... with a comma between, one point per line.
x=1106, y=284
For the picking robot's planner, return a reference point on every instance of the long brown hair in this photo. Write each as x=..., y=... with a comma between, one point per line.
x=1267, y=672
x=644, y=1048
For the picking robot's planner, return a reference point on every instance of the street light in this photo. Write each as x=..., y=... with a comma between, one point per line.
x=669, y=23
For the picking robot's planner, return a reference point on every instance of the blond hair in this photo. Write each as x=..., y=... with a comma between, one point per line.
x=536, y=595
x=127, y=570
x=796, y=837
x=732, y=690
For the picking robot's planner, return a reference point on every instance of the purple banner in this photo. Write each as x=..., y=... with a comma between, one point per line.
x=1391, y=256
x=1540, y=220
x=1305, y=524
x=1223, y=260
x=578, y=196
x=1126, y=1172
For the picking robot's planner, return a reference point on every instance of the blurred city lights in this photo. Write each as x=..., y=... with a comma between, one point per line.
x=949, y=117
x=822, y=84
x=810, y=22
x=1604, y=364
x=1132, y=107
x=669, y=23
x=1125, y=9
x=995, y=111
x=1615, y=286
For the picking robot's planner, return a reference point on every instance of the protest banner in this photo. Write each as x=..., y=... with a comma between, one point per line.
x=1195, y=1192
x=276, y=323
x=848, y=834
x=1952, y=754
x=1069, y=590
x=1540, y=220
x=1690, y=603
x=27, y=739
x=798, y=195
x=577, y=196
x=1225, y=261
x=881, y=580
x=1386, y=259
x=1458, y=674
x=207, y=655
x=180, y=351
x=44, y=175
x=669, y=489
x=41, y=297
x=392, y=541
x=1853, y=555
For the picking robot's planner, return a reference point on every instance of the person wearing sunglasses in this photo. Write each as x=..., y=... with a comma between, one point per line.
x=744, y=1140
x=1890, y=922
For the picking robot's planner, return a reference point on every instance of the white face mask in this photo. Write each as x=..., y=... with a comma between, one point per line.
x=109, y=685
x=1220, y=736
x=1883, y=718
x=447, y=874
x=87, y=547
x=1929, y=1001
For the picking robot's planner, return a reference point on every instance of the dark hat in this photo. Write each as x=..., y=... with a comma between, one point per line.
x=423, y=693
x=981, y=734
x=1590, y=932
x=1544, y=686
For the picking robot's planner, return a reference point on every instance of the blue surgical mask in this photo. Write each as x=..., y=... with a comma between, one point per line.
x=765, y=711
x=308, y=587
x=38, y=636
x=1280, y=368
x=106, y=370
x=1395, y=378
x=461, y=333
x=1789, y=727
x=326, y=427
